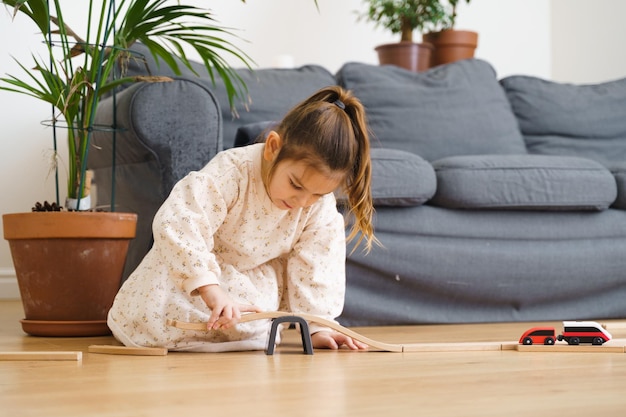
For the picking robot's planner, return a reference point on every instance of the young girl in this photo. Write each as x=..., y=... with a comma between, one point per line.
x=257, y=229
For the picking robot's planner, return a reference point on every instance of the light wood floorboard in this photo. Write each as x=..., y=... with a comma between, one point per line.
x=328, y=383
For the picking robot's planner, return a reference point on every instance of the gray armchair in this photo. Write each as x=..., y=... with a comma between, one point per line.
x=165, y=130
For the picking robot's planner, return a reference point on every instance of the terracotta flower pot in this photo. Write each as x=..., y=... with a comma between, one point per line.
x=69, y=268
x=409, y=55
x=451, y=45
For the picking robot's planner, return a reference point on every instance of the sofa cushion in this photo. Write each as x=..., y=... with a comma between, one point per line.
x=566, y=119
x=529, y=182
x=401, y=178
x=271, y=92
x=250, y=133
x=453, y=109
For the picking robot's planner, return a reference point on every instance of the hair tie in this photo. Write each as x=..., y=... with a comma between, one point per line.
x=339, y=104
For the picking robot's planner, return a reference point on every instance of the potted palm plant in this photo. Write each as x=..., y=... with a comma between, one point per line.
x=451, y=44
x=69, y=260
x=404, y=17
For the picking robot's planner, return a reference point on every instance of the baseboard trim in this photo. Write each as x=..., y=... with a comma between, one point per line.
x=8, y=285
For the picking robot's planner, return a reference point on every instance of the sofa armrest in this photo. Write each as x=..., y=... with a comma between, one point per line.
x=165, y=130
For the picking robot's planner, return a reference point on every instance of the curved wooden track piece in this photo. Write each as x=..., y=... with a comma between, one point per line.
x=389, y=347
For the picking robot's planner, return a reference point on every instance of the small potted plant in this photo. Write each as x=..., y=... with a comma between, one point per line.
x=51, y=247
x=451, y=44
x=405, y=17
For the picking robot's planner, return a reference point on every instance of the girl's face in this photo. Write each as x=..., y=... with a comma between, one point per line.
x=295, y=184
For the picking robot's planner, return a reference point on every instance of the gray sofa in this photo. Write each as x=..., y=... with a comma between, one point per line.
x=496, y=200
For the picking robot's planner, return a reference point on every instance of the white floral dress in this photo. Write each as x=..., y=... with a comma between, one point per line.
x=218, y=226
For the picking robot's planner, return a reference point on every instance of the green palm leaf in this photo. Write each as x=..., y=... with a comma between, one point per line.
x=79, y=71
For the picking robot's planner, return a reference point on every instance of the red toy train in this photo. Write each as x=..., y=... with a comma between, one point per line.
x=574, y=333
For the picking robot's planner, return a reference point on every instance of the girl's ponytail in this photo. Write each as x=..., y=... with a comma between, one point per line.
x=329, y=130
x=358, y=188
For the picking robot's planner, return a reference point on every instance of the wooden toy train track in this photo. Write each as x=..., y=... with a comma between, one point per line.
x=618, y=347
x=373, y=344
x=612, y=346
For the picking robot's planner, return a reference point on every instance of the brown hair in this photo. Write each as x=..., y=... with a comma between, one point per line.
x=329, y=131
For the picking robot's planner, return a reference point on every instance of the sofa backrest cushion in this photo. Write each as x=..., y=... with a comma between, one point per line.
x=453, y=109
x=271, y=92
x=523, y=182
x=567, y=119
x=253, y=132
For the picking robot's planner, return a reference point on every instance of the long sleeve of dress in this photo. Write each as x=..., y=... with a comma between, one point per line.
x=185, y=225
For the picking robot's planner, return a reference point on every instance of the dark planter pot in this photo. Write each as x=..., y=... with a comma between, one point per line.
x=451, y=45
x=409, y=55
x=69, y=268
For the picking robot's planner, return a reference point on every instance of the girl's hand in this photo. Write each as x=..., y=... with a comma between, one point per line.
x=334, y=340
x=225, y=313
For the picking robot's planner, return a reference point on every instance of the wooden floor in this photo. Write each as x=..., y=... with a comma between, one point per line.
x=328, y=383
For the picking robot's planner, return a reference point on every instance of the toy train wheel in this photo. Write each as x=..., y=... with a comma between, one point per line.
x=527, y=341
x=597, y=341
x=548, y=341
x=573, y=341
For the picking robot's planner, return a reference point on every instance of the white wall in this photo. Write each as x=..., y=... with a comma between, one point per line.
x=516, y=37
x=589, y=40
x=335, y=35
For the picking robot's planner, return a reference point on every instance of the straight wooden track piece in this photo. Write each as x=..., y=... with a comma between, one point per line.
x=42, y=356
x=453, y=347
x=558, y=348
x=512, y=345
x=126, y=350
